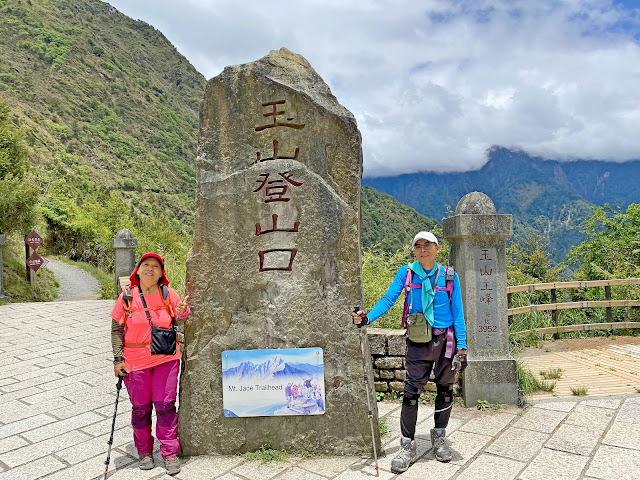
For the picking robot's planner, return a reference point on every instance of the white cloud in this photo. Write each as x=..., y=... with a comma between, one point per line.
x=434, y=83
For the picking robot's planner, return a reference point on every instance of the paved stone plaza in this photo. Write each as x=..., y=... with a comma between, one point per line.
x=57, y=393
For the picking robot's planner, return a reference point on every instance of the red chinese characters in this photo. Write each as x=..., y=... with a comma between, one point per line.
x=276, y=188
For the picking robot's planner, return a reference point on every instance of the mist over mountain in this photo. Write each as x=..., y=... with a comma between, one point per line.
x=545, y=196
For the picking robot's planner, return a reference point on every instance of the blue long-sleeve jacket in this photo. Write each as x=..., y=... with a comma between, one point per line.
x=445, y=314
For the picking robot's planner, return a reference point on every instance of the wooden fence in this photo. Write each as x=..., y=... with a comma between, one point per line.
x=554, y=306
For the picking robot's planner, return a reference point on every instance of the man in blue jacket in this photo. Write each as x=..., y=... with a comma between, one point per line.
x=434, y=319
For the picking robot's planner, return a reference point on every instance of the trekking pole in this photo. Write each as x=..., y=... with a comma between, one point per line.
x=113, y=426
x=366, y=387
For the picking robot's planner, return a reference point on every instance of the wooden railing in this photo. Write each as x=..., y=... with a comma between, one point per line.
x=554, y=306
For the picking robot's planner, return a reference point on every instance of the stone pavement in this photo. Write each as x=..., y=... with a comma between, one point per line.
x=57, y=395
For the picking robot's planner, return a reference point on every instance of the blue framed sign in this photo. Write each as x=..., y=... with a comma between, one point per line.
x=273, y=382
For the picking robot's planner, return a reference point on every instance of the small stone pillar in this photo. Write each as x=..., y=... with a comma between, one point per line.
x=125, y=246
x=478, y=236
x=3, y=297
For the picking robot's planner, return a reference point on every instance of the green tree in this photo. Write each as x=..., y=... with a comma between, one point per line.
x=18, y=195
x=530, y=261
x=612, y=246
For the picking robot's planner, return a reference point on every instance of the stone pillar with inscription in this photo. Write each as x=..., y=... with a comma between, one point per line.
x=124, y=245
x=275, y=264
x=478, y=236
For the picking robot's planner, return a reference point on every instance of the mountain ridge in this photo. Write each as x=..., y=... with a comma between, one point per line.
x=546, y=196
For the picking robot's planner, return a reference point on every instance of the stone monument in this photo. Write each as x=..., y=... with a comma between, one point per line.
x=275, y=261
x=478, y=235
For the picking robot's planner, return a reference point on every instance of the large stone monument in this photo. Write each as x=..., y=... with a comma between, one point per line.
x=478, y=236
x=275, y=262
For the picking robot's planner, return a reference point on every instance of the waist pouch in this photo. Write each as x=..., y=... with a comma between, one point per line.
x=418, y=329
x=163, y=340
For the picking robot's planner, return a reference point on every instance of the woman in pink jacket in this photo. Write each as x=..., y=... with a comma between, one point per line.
x=150, y=363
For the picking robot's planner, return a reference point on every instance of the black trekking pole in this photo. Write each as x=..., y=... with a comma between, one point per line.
x=113, y=426
x=366, y=387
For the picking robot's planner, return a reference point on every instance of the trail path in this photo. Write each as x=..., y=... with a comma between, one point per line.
x=75, y=283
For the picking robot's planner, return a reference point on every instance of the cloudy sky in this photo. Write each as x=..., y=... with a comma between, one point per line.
x=434, y=83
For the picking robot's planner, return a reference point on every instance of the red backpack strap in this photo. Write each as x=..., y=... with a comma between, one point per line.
x=164, y=290
x=127, y=297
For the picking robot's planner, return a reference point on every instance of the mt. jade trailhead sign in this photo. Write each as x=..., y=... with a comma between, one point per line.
x=273, y=382
x=274, y=270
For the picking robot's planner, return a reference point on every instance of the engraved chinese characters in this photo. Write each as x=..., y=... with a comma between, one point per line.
x=275, y=190
x=275, y=262
x=487, y=286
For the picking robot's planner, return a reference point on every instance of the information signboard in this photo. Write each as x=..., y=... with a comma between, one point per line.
x=273, y=382
x=33, y=240
x=35, y=261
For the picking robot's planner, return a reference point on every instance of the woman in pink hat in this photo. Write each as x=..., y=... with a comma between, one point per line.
x=147, y=354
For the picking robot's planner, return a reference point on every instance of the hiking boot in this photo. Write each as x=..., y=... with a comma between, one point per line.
x=172, y=464
x=406, y=457
x=146, y=461
x=440, y=448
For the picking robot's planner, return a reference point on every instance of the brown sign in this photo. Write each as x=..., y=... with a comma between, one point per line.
x=33, y=240
x=35, y=261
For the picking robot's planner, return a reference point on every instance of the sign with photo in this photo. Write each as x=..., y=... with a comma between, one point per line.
x=273, y=382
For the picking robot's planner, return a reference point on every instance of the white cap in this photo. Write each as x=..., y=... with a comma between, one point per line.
x=428, y=236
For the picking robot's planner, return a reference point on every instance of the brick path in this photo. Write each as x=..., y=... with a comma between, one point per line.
x=56, y=403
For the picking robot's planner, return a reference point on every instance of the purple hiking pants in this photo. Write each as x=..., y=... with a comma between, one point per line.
x=159, y=385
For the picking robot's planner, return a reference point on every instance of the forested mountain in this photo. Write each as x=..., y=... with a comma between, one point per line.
x=110, y=111
x=388, y=224
x=545, y=196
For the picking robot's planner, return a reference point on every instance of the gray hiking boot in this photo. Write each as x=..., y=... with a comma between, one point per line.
x=172, y=464
x=406, y=457
x=146, y=461
x=440, y=448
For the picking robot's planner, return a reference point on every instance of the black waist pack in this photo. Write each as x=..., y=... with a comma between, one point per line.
x=163, y=340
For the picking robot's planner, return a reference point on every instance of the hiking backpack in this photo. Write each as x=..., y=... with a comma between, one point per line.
x=449, y=274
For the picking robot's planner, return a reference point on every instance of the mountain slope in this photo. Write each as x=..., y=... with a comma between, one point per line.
x=110, y=109
x=389, y=224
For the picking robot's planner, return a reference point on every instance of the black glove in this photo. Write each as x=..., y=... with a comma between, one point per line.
x=459, y=362
x=364, y=320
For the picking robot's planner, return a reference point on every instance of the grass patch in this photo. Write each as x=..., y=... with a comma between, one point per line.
x=579, y=391
x=266, y=454
x=546, y=386
x=382, y=425
x=528, y=383
x=551, y=374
